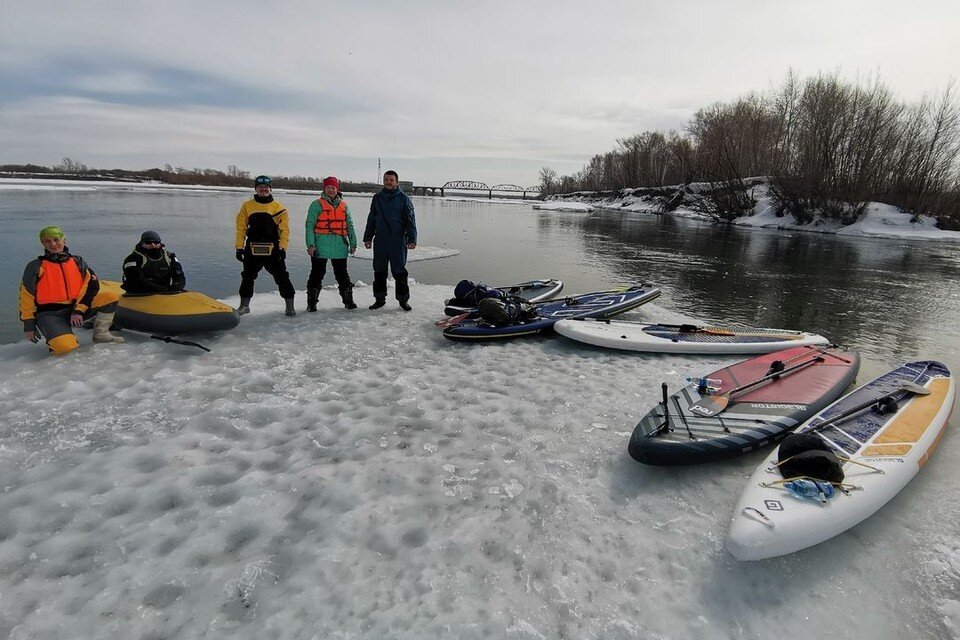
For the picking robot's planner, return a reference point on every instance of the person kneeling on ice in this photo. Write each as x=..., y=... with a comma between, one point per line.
x=58, y=292
x=151, y=268
x=330, y=235
x=263, y=229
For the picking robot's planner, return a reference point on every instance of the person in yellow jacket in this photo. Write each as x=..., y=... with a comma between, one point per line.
x=58, y=292
x=263, y=230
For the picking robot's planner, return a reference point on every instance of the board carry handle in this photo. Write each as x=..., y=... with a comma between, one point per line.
x=709, y=406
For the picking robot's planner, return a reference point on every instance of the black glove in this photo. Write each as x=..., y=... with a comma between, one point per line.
x=240, y=255
x=282, y=254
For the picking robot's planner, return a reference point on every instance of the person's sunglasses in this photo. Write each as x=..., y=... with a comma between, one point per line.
x=151, y=242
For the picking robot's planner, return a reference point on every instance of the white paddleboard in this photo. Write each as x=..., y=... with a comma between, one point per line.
x=769, y=521
x=661, y=338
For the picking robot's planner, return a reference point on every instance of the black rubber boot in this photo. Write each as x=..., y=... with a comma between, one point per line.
x=377, y=303
x=312, y=296
x=290, y=310
x=346, y=294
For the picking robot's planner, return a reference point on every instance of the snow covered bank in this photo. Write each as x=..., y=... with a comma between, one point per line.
x=351, y=474
x=564, y=206
x=877, y=220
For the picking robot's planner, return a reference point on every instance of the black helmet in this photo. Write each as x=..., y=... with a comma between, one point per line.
x=149, y=236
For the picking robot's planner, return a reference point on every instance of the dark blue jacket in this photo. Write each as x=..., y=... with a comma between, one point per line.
x=391, y=218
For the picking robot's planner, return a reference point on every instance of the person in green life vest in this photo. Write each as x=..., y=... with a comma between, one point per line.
x=58, y=292
x=263, y=230
x=151, y=268
x=330, y=236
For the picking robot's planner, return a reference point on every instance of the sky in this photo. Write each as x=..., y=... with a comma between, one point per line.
x=437, y=89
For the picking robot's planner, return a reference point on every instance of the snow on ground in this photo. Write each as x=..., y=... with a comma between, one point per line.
x=564, y=206
x=422, y=252
x=351, y=474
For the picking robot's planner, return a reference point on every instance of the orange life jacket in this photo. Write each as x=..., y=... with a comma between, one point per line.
x=332, y=219
x=59, y=282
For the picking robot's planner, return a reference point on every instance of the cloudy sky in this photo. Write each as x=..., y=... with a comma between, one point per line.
x=439, y=89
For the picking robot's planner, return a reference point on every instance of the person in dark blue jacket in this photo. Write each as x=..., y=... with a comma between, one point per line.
x=392, y=229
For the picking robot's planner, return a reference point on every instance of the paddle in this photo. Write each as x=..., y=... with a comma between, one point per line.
x=449, y=322
x=183, y=342
x=906, y=387
x=709, y=406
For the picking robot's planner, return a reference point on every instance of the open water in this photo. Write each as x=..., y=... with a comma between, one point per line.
x=892, y=300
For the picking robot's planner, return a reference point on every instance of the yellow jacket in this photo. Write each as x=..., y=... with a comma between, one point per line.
x=255, y=218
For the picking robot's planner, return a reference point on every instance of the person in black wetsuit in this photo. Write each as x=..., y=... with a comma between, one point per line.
x=151, y=268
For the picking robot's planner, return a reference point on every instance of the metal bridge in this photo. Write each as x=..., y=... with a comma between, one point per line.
x=473, y=185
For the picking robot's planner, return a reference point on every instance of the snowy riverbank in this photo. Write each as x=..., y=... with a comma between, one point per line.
x=877, y=220
x=354, y=475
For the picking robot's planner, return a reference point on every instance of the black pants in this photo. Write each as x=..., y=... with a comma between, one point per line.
x=318, y=269
x=380, y=285
x=275, y=266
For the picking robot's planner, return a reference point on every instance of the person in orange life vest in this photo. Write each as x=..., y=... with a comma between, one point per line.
x=151, y=268
x=58, y=292
x=330, y=235
x=263, y=229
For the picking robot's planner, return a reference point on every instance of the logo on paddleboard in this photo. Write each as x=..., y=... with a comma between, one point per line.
x=773, y=505
x=768, y=405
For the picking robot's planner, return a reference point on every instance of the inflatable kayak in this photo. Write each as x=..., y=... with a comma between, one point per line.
x=742, y=407
x=683, y=338
x=171, y=313
x=600, y=304
x=531, y=291
x=882, y=433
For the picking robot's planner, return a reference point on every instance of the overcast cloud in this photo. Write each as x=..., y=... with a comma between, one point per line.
x=439, y=89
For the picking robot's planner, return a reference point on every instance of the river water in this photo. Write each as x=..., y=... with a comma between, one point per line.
x=891, y=300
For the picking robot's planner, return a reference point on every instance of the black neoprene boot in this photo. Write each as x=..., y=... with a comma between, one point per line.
x=312, y=296
x=346, y=294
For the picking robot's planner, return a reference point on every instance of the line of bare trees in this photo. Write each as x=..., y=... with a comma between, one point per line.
x=232, y=177
x=825, y=144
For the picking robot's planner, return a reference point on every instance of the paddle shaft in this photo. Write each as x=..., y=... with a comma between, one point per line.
x=860, y=407
x=709, y=406
x=772, y=376
x=183, y=342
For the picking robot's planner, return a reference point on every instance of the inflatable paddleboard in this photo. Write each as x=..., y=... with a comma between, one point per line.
x=171, y=314
x=769, y=521
x=600, y=304
x=779, y=391
x=531, y=291
x=684, y=338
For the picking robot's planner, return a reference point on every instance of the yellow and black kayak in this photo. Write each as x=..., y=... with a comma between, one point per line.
x=171, y=314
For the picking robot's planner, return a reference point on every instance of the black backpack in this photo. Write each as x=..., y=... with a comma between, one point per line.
x=468, y=294
x=262, y=227
x=807, y=455
x=505, y=312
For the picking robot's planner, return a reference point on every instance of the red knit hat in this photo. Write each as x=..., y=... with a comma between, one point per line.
x=331, y=180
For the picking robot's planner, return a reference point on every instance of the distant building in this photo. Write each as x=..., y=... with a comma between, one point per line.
x=406, y=186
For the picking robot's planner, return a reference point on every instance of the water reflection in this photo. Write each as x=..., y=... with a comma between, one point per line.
x=893, y=300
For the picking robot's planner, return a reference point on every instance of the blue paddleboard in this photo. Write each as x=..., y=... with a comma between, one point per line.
x=600, y=304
